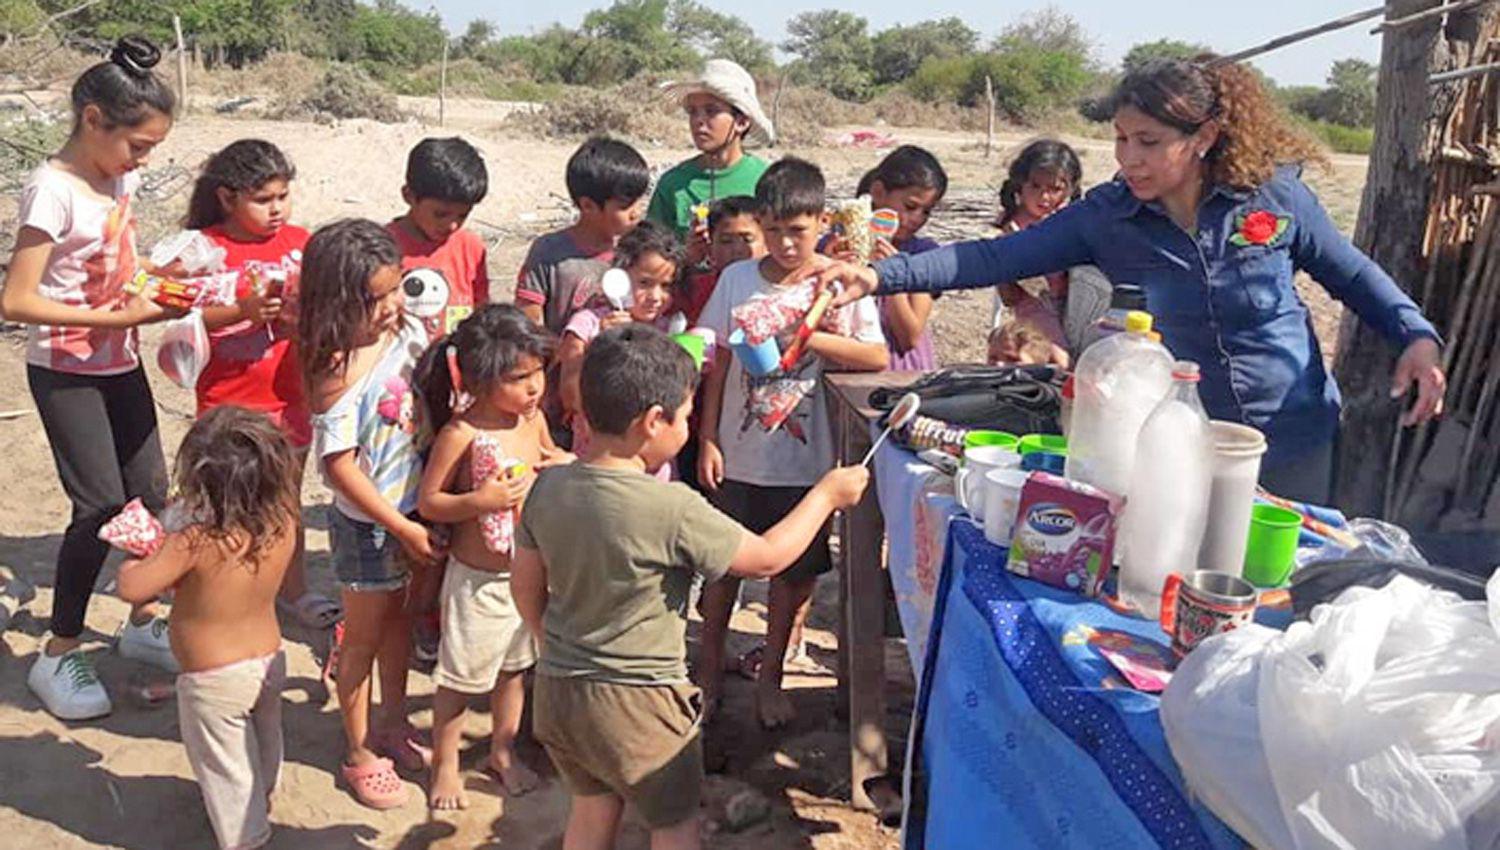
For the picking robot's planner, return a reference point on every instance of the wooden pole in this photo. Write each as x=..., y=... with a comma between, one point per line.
x=989, y=119
x=443, y=87
x=1300, y=35
x=1427, y=15
x=1463, y=73
x=776, y=103
x=182, y=89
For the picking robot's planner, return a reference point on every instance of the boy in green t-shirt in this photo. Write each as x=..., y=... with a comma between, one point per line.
x=723, y=112
x=605, y=556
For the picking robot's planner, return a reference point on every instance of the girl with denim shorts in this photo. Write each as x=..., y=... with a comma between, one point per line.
x=358, y=351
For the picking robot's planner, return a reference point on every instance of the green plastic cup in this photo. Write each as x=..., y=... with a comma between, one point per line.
x=695, y=346
x=1272, y=547
x=1051, y=444
x=990, y=438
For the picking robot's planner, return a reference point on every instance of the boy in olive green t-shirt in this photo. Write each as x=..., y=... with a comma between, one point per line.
x=723, y=112
x=605, y=556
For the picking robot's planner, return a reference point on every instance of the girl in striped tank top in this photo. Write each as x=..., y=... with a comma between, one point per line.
x=358, y=349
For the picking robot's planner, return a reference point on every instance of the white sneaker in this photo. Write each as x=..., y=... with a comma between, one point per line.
x=148, y=643
x=68, y=686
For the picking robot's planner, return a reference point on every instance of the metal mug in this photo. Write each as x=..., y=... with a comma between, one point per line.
x=1202, y=604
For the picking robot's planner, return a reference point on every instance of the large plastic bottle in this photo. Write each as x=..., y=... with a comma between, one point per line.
x=1118, y=382
x=1166, y=509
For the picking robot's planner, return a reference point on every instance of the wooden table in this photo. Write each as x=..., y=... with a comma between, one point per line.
x=861, y=656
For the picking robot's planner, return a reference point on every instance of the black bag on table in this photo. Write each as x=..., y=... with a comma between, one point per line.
x=1016, y=399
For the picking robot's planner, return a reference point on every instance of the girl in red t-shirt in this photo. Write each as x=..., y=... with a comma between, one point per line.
x=242, y=202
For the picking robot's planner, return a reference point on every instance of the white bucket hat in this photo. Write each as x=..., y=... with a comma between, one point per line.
x=732, y=84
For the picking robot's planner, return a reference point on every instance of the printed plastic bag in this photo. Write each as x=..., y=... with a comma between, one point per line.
x=1374, y=725
x=184, y=350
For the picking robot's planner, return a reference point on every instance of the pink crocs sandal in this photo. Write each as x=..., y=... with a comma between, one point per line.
x=375, y=784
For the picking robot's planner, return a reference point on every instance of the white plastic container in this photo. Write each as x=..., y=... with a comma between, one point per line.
x=1237, y=455
x=1167, y=507
x=1117, y=384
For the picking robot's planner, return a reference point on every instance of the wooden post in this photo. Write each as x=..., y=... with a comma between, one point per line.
x=1392, y=224
x=443, y=86
x=989, y=118
x=776, y=104
x=182, y=89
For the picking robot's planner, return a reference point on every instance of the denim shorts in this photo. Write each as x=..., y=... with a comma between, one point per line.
x=366, y=557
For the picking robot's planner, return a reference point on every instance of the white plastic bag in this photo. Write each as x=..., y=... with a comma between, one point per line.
x=1375, y=725
x=184, y=349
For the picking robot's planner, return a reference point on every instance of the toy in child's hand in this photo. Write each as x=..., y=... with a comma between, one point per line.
x=852, y=222
x=616, y=286
x=809, y=323
x=486, y=460
x=885, y=222
x=700, y=212
x=134, y=530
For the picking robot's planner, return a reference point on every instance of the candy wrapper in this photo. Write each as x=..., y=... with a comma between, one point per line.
x=134, y=530
x=188, y=253
x=768, y=314
x=851, y=221
x=486, y=460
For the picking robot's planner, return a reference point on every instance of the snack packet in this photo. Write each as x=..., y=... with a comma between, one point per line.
x=1065, y=534
x=487, y=459
x=135, y=530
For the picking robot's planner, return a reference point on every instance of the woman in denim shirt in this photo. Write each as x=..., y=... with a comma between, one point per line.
x=1210, y=221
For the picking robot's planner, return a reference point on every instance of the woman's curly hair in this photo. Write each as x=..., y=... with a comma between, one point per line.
x=1255, y=134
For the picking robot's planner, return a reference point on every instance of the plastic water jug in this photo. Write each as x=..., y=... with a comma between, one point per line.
x=1166, y=509
x=1117, y=384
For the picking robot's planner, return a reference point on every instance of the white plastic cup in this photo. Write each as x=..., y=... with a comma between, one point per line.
x=1237, y=454
x=1002, y=502
x=978, y=461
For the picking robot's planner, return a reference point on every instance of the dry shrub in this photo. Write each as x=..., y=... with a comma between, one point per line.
x=286, y=76
x=343, y=92
x=636, y=109
x=899, y=109
x=42, y=63
x=804, y=115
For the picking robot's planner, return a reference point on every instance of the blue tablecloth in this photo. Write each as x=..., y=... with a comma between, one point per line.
x=1027, y=736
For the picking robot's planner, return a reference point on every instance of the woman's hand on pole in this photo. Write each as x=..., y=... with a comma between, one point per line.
x=1421, y=364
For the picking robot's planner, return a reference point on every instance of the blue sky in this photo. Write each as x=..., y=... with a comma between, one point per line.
x=1224, y=25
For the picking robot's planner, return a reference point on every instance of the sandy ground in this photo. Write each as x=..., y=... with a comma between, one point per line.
x=124, y=782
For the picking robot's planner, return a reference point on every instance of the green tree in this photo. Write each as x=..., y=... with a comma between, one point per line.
x=1049, y=30
x=833, y=51
x=1165, y=48
x=716, y=34
x=629, y=37
x=1029, y=80
x=475, y=38
x=1350, y=97
x=19, y=17
x=392, y=34
x=899, y=51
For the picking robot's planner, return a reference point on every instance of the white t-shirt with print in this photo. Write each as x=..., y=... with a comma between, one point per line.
x=93, y=257
x=800, y=450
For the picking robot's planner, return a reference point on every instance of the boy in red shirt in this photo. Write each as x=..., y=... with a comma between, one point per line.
x=446, y=277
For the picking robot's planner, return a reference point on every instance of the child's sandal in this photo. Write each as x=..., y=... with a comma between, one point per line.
x=375, y=784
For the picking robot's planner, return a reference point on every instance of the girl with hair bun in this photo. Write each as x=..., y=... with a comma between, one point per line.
x=1209, y=216
x=75, y=252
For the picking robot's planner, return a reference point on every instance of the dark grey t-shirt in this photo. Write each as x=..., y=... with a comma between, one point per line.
x=561, y=278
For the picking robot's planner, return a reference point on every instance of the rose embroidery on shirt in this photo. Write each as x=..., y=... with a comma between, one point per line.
x=1260, y=227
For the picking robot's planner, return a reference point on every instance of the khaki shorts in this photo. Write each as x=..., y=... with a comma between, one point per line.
x=483, y=634
x=641, y=743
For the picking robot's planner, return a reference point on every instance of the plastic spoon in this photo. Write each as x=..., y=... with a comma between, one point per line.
x=903, y=413
x=616, y=285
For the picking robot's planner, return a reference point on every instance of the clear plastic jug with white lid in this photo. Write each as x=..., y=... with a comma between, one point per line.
x=1117, y=383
